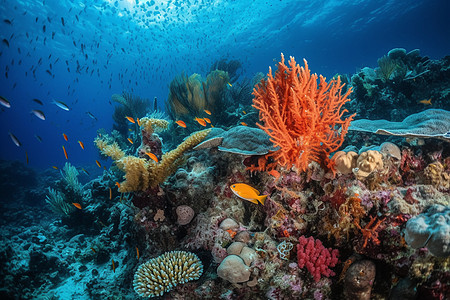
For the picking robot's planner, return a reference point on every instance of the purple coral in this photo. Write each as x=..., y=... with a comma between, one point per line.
x=317, y=259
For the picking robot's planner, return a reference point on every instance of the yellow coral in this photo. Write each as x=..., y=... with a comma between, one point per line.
x=437, y=176
x=153, y=125
x=141, y=174
x=112, y=150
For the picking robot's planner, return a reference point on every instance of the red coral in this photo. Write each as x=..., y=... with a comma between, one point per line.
x=317, y=259
x=302, y=117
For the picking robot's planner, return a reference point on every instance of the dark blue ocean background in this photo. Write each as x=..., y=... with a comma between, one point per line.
x=107, y=47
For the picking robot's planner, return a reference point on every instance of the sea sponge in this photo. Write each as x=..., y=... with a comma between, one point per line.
x=368, y=162
x=185, y=214
x=345, y=162
x=430, y=229
x=437, y=176
x=161, y=274
x=234, y=270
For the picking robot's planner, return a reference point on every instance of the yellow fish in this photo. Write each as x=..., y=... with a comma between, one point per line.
x=246, y=192
x=426, y=101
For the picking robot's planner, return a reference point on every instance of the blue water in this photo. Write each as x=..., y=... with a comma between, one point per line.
x=140, y=46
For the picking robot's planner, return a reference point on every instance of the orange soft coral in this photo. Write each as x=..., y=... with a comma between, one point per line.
x=302, y=117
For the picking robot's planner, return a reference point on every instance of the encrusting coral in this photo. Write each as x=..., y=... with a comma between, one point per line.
x=143, y=173
x=302, y=117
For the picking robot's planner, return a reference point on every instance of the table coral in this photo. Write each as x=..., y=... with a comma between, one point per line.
x=303, y=118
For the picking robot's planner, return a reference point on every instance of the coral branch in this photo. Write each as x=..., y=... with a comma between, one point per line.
x=302, y=117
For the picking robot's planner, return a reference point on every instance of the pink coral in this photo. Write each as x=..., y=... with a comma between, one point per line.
x=317, y=259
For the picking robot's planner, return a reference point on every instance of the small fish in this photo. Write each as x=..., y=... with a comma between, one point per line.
x=63, y=22
x=91, y=115
x=65, y=137
x=137, y=252
x=243, y=124
x=15, y=140
x=110, y=194
x=130, y=140
x=26, y=155
x=77, y=205
x=98, y=163
x=113, y=266
x=200, y=121
x=426, y=101
x=55, y=167
x=38, y=101
x=5, y=102
x=138, y=122
x=229, y=84
x=207, y=120
x=6, y=42
x=81, y=144
x=38, y=138
x=118, y=184
x=152, y=156
x=246, y=192
x=65, y=152
x=207, y=111
x=85, y=172
x=39, y=113
x=61, y=105
x=7, y=21
x=93, y=250
x=130, y=119
x=181, y=123
x=244, y=112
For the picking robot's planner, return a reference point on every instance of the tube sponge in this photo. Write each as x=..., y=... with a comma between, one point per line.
x=430, y=229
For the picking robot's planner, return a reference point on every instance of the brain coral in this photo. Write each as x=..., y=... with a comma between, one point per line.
x=161, y=274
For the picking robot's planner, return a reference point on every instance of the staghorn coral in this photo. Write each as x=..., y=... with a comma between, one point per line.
x=302, y=117
x=141, y=173
x=161, y=274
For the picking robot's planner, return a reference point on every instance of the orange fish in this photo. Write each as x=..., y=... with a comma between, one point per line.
x=426, y=101
x=93, y=250
x=81, y=144
x=181, y=123
x=200, y=121
x=65, y=137
x=229, y=84
x=243, y=124
x=55, y=167
x=138, y=122
x=246, y=192
x=65, y=152
x=207, y=111
x=207, y=120
x=152, y=156
x=118, y=185
x=130, y=140
x=244, y=112
x=98, y=163
x=110, y=194
x=26, y=154
x=77, y=205
x=130, y=119
x=137, y=251
x=113, y=266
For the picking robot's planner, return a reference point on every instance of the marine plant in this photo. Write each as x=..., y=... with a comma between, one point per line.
x=302, y=117
x=57, y=202
x=232, y=67
x=386, y=67
x=70, y=175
